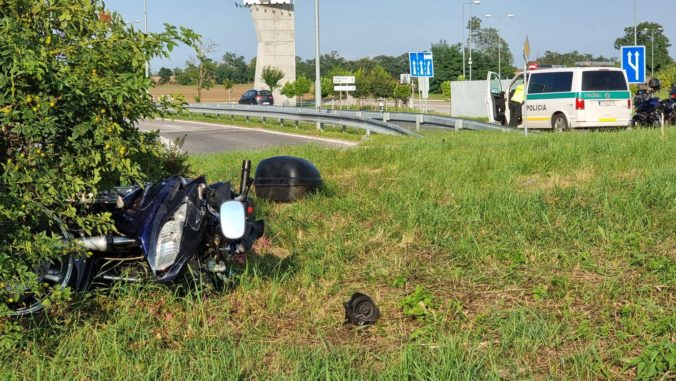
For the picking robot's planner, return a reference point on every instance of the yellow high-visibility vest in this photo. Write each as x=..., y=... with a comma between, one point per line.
x=518, y=94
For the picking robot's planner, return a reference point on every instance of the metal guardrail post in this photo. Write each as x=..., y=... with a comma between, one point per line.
x=458, y=125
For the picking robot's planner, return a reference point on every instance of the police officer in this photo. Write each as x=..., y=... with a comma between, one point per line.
x=515, y=104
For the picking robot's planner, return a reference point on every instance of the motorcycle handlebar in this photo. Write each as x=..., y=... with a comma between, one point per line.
x=245, y=181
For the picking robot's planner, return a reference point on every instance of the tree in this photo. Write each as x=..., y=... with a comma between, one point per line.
x=303, y=86
x=289, y=90
x=569, y=59
x=232, y=67
x=165, y=75
x=228, y=85
x=182, y=77
x=271, y=77
x=298, y=88
x=327, y=86
x=447, y=64
x=402, y=92
x=382, y=83
x=205, y=66
x=72, y=91
x=446, y=89
x=661, y=47
x=363, y=83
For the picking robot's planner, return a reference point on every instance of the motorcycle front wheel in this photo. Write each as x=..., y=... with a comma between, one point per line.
x=57, y=274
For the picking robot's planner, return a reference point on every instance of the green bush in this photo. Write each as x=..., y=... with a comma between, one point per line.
x=72, y=88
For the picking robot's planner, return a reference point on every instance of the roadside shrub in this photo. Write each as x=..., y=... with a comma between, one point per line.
x=72, y=88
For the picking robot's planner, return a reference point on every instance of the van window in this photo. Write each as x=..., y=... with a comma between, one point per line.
x=550, y=82
x=603, y=80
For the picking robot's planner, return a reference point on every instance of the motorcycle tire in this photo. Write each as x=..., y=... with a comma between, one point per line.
x=60, y=273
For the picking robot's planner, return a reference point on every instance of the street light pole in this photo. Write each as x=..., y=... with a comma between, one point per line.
x=318, y=78
x=635, y=33
x=499, y=40
x=145, y=30
x=477, y=2
x=652, y=49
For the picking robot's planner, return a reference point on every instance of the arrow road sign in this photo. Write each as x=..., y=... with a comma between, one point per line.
x=421, y=64
x=634, y=63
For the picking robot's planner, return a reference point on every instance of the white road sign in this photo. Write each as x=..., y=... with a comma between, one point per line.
x=345, y=88
x=344, y=80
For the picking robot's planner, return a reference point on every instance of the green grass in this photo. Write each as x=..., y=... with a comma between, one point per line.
x=551, y=256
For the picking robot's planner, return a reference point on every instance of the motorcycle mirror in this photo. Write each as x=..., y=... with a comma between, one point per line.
x=233, y=219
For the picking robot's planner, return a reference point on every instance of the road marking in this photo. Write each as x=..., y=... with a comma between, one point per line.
x=350, y=144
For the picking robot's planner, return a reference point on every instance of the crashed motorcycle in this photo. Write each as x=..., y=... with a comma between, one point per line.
x=162, y=231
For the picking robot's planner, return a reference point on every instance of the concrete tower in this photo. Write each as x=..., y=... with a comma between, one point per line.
x=275, y=24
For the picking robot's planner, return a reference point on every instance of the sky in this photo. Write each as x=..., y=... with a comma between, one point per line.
x=368, y=28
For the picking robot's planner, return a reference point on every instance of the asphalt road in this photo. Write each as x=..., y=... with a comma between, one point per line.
x=208, y=137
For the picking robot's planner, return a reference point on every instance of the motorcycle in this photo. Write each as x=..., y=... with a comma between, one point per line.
x=163, y=231
x=648, y=110
x=669, y=106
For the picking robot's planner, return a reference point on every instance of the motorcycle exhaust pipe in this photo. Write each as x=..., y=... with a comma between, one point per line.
x=103, y=243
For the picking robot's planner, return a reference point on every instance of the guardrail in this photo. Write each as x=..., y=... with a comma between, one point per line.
x=304, y=115
x=376, y=122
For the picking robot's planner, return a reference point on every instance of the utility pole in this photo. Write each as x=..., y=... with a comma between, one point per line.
x=652, y=49
x=145, y=30
x=500, y=40
x=477, y=2
x=318, y=73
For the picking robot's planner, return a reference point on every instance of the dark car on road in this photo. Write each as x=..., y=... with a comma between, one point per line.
x=257, y=97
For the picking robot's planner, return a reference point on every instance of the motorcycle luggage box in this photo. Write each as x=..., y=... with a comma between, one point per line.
x=286, y=178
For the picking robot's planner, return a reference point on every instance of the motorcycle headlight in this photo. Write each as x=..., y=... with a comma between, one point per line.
x=169, y=241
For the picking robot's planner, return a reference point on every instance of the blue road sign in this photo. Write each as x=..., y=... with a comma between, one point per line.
x=421, y=64
x=633, y=63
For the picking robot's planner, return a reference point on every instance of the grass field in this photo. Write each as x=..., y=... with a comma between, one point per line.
x=491, y=256
x=215, y=94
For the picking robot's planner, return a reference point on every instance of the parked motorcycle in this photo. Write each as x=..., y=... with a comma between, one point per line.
x=163, y=231
x=648, y=111
x=669, y=106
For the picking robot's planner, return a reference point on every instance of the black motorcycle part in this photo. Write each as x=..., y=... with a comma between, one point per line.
x=361, y=310
x=218, y=193
x=286, y=178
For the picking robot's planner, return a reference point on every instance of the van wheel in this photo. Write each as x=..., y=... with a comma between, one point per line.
x=559, y=123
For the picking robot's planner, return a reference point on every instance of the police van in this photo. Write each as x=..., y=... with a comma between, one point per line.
x=565, y=98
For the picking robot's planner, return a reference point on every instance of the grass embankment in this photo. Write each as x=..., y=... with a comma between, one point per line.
x=309, y=129
x=546, y=257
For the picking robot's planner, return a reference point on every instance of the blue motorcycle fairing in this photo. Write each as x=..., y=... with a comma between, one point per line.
x=149, y=210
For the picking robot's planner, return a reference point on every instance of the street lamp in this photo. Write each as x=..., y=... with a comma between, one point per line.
x=145, y=31
x=635, y=33
x=318, y=78
x=652, y=48
x=508, y=16
x=477, y=2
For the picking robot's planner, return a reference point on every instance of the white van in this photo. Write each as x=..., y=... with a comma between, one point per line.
x=565, y=98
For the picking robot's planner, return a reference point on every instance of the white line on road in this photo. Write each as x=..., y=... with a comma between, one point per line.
x=350, y=144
